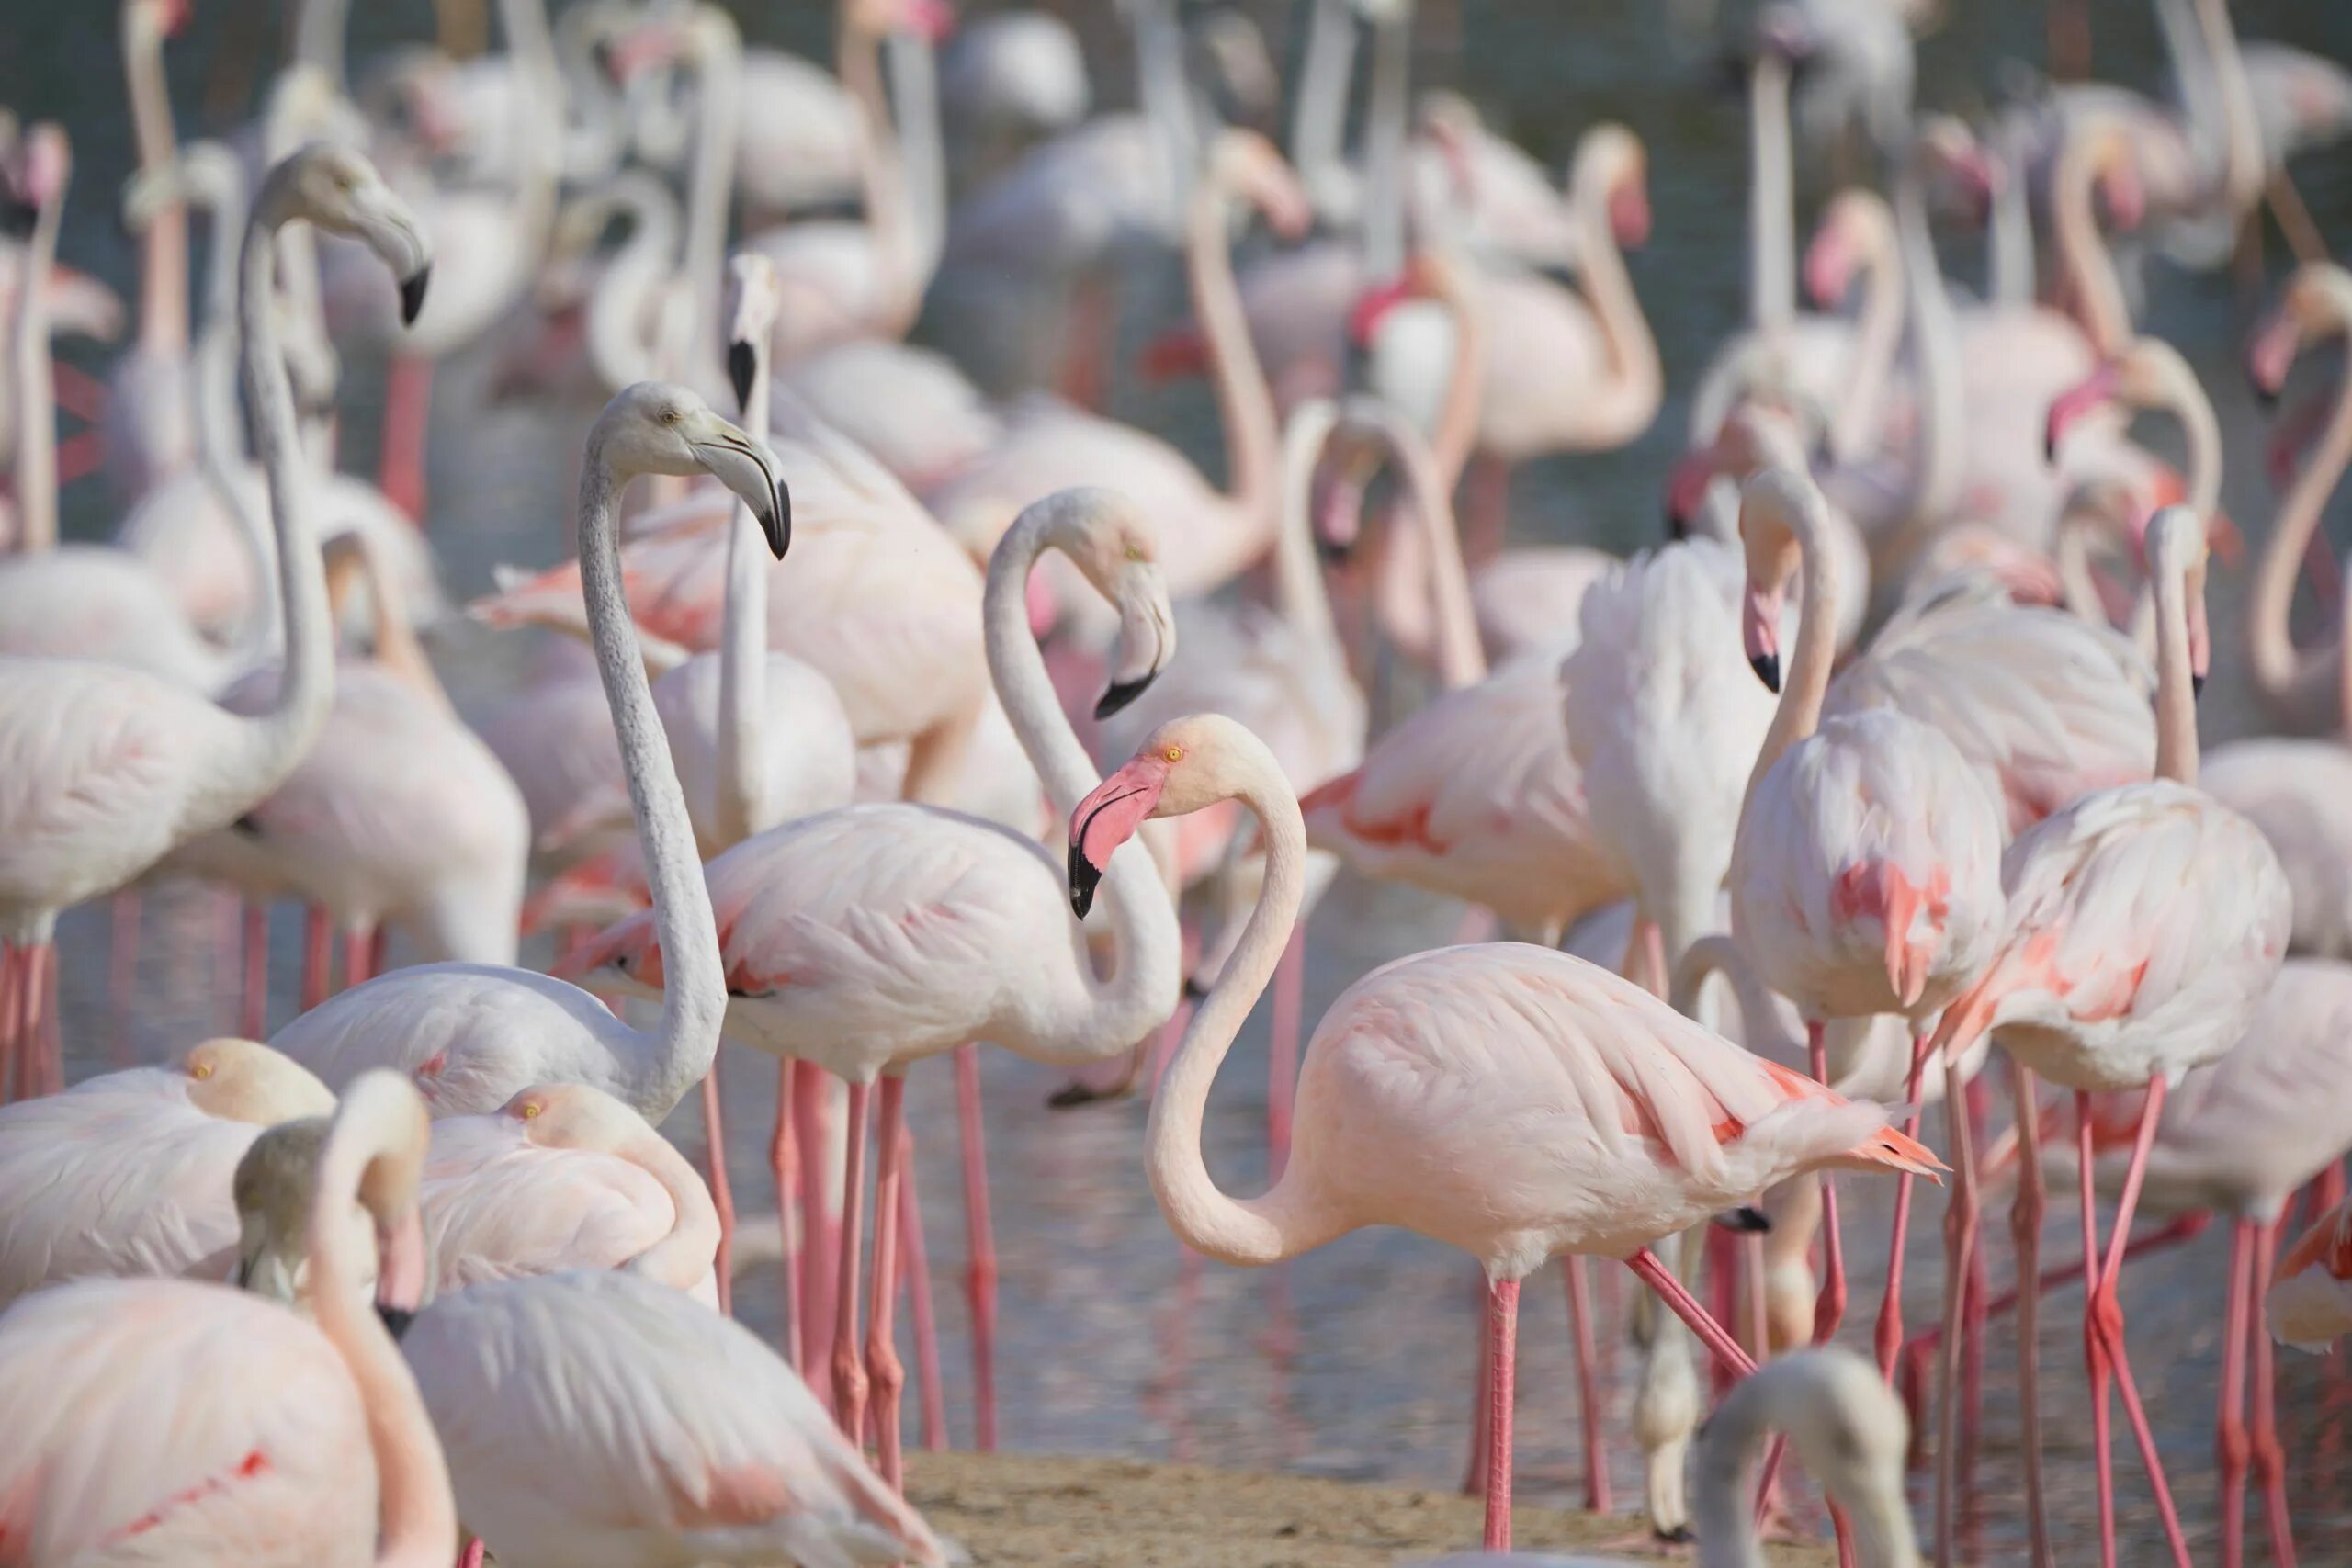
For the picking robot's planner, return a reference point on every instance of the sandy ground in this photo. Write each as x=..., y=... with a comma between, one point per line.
x=1033, y=1511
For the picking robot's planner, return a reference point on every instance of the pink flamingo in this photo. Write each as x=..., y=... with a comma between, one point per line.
x=150, y=424
x=2106, y=976
x=127, y=1173
x=867, y=939
x=188, y=1423
x=1618, y=1121
x=1845, y=910
x=475, y=1035
x=174, y=765
x=600, y=1416
x=2308, y=1304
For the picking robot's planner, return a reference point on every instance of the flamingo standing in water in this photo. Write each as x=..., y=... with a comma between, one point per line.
x=195, y=1423
x=148, y=765
x=1505, y=1098
x=2144, y=923
x=867, y=939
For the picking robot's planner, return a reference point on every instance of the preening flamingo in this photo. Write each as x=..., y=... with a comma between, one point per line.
x=867, y=939
x=188, y=1423
x=127, y=1173
x=2143, y=925
x=2310, y=1299
x=473, y=1035
x=1617, y=1121
x=146, y=765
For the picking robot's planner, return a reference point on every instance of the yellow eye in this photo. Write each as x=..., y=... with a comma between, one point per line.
x=199, y=1070
x=531, y=1108
x=1134, y=552
x=1174, y=753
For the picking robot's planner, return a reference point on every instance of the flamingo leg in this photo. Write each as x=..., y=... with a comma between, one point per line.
x=358, y=951
x=122, y=973
x=1474, y=1474
x=1890, y=1310
x=1281, y=1048
x=1974, y=1309
x=471, y=1556
x=11, y=986
x=1502, y=1332
x=408, y=409
x=1578, y=1279
x=1670, y=1289
x=820, y=1230
x=886, y=1374
x=2025, y=1233
x=1960, y=1241
x=917, y=1277
x=979, y=1240
x=848, y=1367
x=783, y=1161
x=722, y=1192
x=252, y=1013
x=315, y=936
x=2229, y=1426
x=1829, y=1310
x=2270, y=1457
x=46, y=1055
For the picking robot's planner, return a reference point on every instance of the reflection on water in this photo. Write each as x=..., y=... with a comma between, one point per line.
x=1356, y=1360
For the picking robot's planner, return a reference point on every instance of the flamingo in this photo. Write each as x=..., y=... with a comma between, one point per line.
x=1845, y=908
x=2105, y=976
x=149, y=429
x=187, y=1422
x=1009, y=78
x=127, y=1173
x=1617, y=1120
x=867, y=939
x=2308, y=1302
x=474, y=1035
x=600, y=1416
x=148, y=765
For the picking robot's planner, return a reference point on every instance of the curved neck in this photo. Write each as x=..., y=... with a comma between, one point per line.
x=617, y=310
x=1384, y=164
x=1771, y=198
x=1318, y=124
x=1636, y=380
x=1288, y=1221
x=1799, y=713
x=2270, y=643
x=220, y=441
x=2082, y=251
x=1936, y=471
x=530, y=45
x=36, y=471
x=881, y=175
x=1877, y=336
x=1455, y=435
x=2008, y=233
x=683, y=1258
x=163, y=248
x=1299, y=591
x=743, y=650
x=417, y=1526
x=2175, y=688
x=1725, y=1525
x=398, y=652
x=1712, y=954
x=1142, y=919
x=2202, y=432
x=1164, y=95
x=1246, y=407
x=1461, y=656
x=694, y=997
x=2242, y=162
x=922, y=156
x=718, y=70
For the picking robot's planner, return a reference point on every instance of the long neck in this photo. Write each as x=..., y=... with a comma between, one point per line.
x=36, y=475
x=1718, y=955
x=1318, y=124
x=2202, y=431
x=2270, y=643
x=1636, y=380
x=694, y=996
x=2242, y=170
x=1164, y=95
x=1116, y=1014
x=531, y=47
x=1461, y=657
x=617, y=310
x=398, y=651
x=1242, y=399
x=220, y=441
x=2175, y=690
x=881, y=175
x=276, y=740
x=1936, y=470
x=922, y=156
x=1455, y=435
x=163, y=262
x=2008, y=233
x=1299, y=591
x=318, y=29
x=2090, y=269
x=1383, y=170
x=1724, y=1525
x=417, y=1524
x=1771, y=225
x=1287, y=1220
x=1876, y=338
x=719, y=85
x=681, y=1260
x=743, y=649
x=1807, y=677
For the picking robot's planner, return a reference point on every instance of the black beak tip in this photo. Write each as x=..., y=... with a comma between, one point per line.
x=1748, y=1219
x=1332, y=551
x=1119, y=694
x=739, y=367
x=777, y=524
x=2049, y=446
x=396, y=1319
x=2196, y=685
x=2266, y=397
x=1083, y=879
x=412, y=294
x=1193, y=990
x=1677, y=527
x=1768, y=670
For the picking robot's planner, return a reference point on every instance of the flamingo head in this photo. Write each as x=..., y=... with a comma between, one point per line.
x=752, y=307
x=2316, y=302
x=1611, y=171
x=654, y=427
x=242, y=1080
x=338, y=189
x=1247, y=164
x=573, y=1116
x=1769, y=505
x=2176, y=554
x=1116, y=549
x=1855, y=225
x=1185, y=765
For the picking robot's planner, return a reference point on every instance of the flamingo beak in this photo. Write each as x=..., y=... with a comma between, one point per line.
x=1107, y=818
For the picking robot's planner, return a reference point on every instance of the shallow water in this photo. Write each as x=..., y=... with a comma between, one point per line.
x=1354, y=1361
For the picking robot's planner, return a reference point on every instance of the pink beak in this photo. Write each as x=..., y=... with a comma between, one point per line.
x=1107, y=818
x=2094, y=391
x=1372, y=308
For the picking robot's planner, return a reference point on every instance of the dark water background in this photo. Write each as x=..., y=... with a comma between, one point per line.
x=1355, y=1360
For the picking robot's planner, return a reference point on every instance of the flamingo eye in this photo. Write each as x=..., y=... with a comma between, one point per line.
x=1174, y=753
x=199, y=1070
x=531, y=1108
x=1134, y=552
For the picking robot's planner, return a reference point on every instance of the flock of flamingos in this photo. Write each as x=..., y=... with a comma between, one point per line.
x=1888, y=758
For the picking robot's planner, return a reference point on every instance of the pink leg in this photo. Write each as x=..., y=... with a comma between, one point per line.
x=1281, y=1048
x=2025, y=1233
x=253, y=1016
x=849, y=1366
x=1960, y=1242
x=2229, y=1426
x=358, y=957
x=821, y=1229
x=783, y=1161
x=2269, y=1455
x=1572, y=1270
x=885, y=1373
x=123, y=973
x=1670, y=1290
x=315, y=949
x=408, y=407
x=379, y=941
x=981, y=1245
x=1830, y=1309
x=1502, y=1333
x=11, y=992
x=1890, y=1310
x=1474, y=1474
x=1973, y=1313
x=917, y=1277
x=722, y=1194
x=471, y=1557
x=45, y=1050
x=1489, y=513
